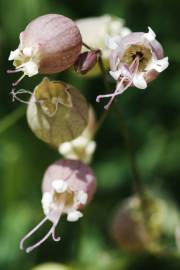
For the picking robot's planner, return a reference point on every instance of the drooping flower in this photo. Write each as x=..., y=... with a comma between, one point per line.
x=57, y=112
x=135, y=60
x=49, y=44
x=83, y=147
x=149, y=226
x=67, y=187
x=94, y=31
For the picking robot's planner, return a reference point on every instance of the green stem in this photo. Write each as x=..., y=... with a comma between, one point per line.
x=11, y=119
x=125, y=134
x=137, y=181
x=123, y=130
x=87, y=47
x=100, y=122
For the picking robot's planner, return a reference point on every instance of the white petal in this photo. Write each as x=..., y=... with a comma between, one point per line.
x=65, y=148
x=30, y=68
x=81, y=197
x=47, y=198
x=150, y=35
x=74, y=216
x=27, y=51
x=46, y=202
x=80, y=142
x=14, y=55
x=139, y=81
x=91, y=147
x=158, y=65
x=59, y=186
x=126, y=71
x=115, y=74
x=125, y=31
x=111, y=43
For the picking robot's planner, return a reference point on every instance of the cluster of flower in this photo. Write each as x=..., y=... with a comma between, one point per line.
x=59, y=115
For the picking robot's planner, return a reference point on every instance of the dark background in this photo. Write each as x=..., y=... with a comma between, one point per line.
x=153, y=119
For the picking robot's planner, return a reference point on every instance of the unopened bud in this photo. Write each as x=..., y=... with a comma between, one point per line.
x=149, y=225
x=94, y=31
x=128, y=229
x=57, y=112
x=85, y=62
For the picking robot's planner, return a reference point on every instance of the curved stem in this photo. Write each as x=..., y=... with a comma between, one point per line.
x=137, y=181
x=125, y=134
x=100, y=122
x=87, y=46
x=11, y=119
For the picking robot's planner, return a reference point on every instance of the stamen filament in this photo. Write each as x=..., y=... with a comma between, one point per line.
x=12, y=71
x=120, y=88
x=19, y=80
x=55, y=238
x=29, y=249
x=31, y=232
x=117, y=92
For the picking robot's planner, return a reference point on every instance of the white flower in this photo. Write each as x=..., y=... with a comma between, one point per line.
x=62, y=199
x=135, y=60
x=26, y=60
x=67, y=187
x=95, y=29
x=81, y=148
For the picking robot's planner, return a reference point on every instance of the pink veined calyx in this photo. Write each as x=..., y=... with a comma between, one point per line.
x=135, y=60
x=49, y=44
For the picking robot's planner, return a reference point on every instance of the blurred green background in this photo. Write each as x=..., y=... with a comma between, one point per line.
x=153, y=118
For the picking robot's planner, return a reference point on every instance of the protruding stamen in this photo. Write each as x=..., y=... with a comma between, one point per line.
x=29, y=249
x=115, y=93
x=12, y=71
x=120, y=87
x=31, y=232
x=55, y=238
x=19, y=80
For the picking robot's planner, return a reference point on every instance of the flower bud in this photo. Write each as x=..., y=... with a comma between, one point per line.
x=85, y=62
x=137, y=227
x=49, y=44
x=67, y=187
x=57, y=112
x=135, y=60
x=83, y=147
x=52, y=266
x=128, y=229
x=94, y=31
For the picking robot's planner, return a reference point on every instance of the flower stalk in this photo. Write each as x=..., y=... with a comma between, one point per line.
x=137, y=181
